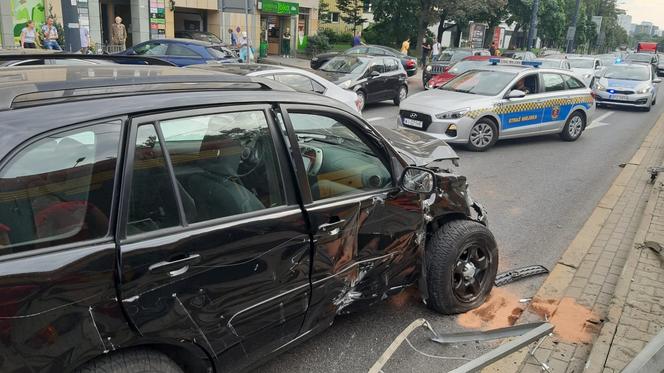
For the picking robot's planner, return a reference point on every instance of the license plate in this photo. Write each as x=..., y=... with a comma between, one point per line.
x=413, y=122
x=618, y=97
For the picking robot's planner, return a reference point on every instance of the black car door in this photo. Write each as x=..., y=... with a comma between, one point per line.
x=376, y=81
x=392, y=77
x=366, y=231
x=214, y=247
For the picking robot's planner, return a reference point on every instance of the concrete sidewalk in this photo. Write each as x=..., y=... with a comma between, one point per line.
x=604, y=294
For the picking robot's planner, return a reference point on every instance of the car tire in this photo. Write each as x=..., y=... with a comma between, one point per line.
x=453, y=285
x=574, y=127
x=142, y=360
x=402, y=93
x=362, y=97
x=483, y=135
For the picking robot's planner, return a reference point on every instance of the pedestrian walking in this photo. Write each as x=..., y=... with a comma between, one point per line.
x=436, y=48
x=493, y=50
x=50, y=33
x=426, y=48
x=85, y=40
x=286, y=43
x=233, y=36
x=246, y=53
x=405, y=46
x=118, y=35
x=29, y=35
x=357, y=40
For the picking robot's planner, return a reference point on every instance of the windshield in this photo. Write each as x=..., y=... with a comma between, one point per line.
x=203, y=36
x=486, y=83
x=463, y=66
x=346, y=65
x=578, y=63
x=625, y=72
x=217, y=53
x=639, y=57
x=452, y=55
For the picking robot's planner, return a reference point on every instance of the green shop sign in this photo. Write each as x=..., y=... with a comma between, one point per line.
x=280, y=7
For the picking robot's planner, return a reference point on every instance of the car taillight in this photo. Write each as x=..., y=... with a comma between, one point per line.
x=410, y=63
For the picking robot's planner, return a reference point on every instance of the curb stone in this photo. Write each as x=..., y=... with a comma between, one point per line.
x=562, y=274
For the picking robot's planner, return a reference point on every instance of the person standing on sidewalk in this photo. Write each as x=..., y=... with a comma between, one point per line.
x=405, y=46
x=357, y=40
x=118, y=35
x=233, y=36
x=85, y=40
x=426, y=48
x=50, y=35
x=245, y=48
x=285, y=43
x=493, y=50
x=28, y=36
x=436, y=48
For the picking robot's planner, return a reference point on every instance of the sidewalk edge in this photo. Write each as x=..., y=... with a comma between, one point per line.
x=566, y=267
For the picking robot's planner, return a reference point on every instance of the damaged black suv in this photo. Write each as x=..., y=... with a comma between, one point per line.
x=168, y=220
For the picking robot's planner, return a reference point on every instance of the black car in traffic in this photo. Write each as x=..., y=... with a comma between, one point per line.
x=409, y=63
x=373, y=78
x=178, y=220
x=441, y=62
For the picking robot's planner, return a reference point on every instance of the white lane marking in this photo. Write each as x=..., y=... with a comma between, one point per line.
x=598, y=121
x=374, y=119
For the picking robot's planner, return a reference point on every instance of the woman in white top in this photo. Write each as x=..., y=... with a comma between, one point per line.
x=28, y=36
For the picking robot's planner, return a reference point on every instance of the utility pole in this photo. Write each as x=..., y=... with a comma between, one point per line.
x=246, y=25
x=571, y=33
x=532, y=32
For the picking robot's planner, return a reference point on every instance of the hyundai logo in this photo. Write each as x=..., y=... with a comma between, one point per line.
x=413, y=115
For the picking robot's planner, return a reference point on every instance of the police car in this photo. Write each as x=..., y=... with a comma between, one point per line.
x=506, y=99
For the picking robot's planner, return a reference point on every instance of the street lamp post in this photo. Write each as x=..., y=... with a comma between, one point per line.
x=571, y=34
x=532, y=32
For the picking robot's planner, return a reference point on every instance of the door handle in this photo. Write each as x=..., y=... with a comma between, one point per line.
x=175, y=267
x=332, y=228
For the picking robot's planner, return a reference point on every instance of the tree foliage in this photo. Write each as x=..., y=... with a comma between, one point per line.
x=324, y=11
x=352, y=12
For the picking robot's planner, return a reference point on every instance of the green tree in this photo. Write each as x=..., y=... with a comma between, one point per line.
x=352, y=12
x=324, y=11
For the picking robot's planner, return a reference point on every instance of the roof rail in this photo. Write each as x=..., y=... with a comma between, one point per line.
x=104, y=81
x=119, y=59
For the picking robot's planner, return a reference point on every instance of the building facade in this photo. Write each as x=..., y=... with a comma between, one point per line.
x=265, y=22
x=333, y=18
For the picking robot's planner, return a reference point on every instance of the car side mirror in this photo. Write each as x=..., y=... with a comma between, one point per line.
x=516, y=93
x=598, y=67
x=374, y=74
x=657, y=80
x=418, y=180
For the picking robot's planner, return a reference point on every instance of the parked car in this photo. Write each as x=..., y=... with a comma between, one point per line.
x=182, y=52
x=585, y=67
x=648, y=58
x=626, y=85
x=554, y=63
x=458, y=68
x=177, y=220
x=441, y=62
x=25, y=59
x=660, y=64
x=298, y=79
x=409, y=63
x=373, y=78
x=519, y=55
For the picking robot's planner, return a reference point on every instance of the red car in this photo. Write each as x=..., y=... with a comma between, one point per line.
x=468, y=63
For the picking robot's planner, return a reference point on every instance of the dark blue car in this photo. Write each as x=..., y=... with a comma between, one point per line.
x=183, y=52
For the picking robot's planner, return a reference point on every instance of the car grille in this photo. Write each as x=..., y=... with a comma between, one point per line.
x=637, y=102
x=426, y=119
x=437, y=69
x=618, y=92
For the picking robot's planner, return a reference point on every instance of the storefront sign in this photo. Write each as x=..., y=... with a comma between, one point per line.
x=157, y=19
x=280, y=7
x=23, y=11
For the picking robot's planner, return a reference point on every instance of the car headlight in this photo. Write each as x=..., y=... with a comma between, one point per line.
x=346, y=84
x=644, y=90
x=599, y=87
x=455, y=114
x=428, y=68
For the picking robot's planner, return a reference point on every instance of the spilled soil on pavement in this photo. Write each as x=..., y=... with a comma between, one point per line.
x=501, y=309
x=573, y=322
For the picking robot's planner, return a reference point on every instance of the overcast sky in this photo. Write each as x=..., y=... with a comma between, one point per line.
x=645, y=10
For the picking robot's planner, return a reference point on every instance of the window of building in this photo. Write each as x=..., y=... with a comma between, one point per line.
x=59, y=189
x=334, y=17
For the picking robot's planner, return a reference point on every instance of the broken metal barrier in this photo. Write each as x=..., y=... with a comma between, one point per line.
x=525, y=334
x=650, y=359
x=518, y=274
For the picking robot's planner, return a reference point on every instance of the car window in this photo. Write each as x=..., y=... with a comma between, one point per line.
x=391, y=64
x=528, y=84
x=573, y=83
x=377, y=51
x=181, y=51
x=337, y=160
x=152, y=204
x=296, y=81
x=225, y=164
x=59, y=189
x=553, y=82
x=318, y=88
x=377, y=65
x=152, y=49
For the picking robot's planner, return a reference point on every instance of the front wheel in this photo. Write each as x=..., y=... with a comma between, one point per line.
x=143, y=360
x=401, y=95
x=574, y=127
x=483, y=135
x=462, y=261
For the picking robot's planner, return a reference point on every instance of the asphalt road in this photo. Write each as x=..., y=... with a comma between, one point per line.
x=538, y=191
